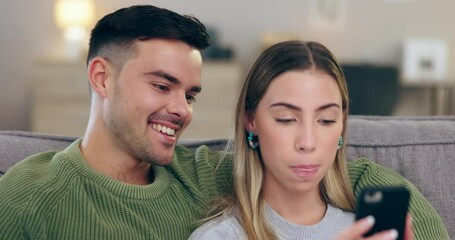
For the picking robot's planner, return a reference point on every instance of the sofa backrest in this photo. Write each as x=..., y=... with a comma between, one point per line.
x=422, y=149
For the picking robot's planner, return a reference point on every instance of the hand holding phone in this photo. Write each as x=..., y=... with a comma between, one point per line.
x=388, y=206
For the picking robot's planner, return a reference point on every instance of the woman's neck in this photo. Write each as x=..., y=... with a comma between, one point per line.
x=299, y=208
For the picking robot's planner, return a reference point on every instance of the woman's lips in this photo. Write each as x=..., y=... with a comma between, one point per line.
x=305, y=170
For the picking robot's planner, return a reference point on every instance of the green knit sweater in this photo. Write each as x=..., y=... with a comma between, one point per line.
x=55, y=195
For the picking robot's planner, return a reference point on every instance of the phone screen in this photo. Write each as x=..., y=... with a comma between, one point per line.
x=388, y=206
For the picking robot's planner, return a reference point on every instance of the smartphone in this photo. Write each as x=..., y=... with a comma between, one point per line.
x=388, y=206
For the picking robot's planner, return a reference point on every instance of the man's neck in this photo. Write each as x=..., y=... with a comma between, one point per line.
x=103, y=155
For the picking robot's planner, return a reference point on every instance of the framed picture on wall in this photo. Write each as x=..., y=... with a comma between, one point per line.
x=424, y=60
x=328, y=14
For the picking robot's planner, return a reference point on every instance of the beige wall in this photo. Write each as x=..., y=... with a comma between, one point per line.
x=373, y=34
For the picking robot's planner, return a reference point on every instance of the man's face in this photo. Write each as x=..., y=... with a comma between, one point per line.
x=150, y=101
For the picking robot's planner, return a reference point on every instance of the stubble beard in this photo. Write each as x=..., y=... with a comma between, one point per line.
x=137, y=144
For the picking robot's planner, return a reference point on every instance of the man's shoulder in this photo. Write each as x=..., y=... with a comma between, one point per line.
x=202, y=153
x=362, y=166
x=358, y=167
x=21, y=185
x=364, y=172
x=28, y=170
x=361, y=163
x=26, y=190
x=208, y=171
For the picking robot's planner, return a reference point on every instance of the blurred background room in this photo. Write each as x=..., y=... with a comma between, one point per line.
x=397, y=55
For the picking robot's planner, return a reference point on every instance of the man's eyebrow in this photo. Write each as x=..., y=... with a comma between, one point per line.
x=296, y=108
x=172, y=79
x=165, y=75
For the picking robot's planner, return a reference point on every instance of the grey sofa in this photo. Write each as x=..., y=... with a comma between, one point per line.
x=422, y=149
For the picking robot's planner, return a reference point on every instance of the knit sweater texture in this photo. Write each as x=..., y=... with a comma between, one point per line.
x=56, y=195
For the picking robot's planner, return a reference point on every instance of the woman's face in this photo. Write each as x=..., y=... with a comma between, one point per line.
x=298, y=123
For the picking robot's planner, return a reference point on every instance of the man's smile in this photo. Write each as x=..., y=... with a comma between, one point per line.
x=163, y=129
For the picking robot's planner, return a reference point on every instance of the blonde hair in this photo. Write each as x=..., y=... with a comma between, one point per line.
x=247, y=197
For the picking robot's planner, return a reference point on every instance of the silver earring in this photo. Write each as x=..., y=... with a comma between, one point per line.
x=251, y=141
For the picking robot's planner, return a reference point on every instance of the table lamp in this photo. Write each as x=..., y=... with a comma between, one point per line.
x=74, y=17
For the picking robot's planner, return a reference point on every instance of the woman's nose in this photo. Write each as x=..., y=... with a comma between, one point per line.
x=306, y=140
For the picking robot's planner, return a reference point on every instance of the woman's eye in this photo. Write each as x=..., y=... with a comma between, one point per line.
x=327, y=122
x=285, y=120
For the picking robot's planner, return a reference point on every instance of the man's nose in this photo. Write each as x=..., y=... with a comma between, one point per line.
x=179, y=106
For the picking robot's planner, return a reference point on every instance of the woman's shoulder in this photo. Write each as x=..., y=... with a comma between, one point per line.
x=345, y=216
x=223, y=227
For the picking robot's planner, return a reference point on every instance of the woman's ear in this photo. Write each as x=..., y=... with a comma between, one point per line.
x=249, y=122
x=99, y=75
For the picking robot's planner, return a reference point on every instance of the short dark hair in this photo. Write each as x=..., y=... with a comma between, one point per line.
x=118, y=31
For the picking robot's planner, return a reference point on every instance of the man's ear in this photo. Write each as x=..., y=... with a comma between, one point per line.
x=99, y=75
x=249, y=122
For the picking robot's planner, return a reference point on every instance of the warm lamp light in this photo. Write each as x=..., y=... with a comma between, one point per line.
x=74, y=17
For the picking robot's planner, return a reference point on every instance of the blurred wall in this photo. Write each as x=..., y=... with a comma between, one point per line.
x=373, y=33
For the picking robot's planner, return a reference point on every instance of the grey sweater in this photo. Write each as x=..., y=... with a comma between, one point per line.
x=228, y=227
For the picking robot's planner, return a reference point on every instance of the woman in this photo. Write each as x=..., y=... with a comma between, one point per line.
x=290, y=174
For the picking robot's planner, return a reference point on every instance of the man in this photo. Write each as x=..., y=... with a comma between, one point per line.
x=144, y=69
x=126, y=178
